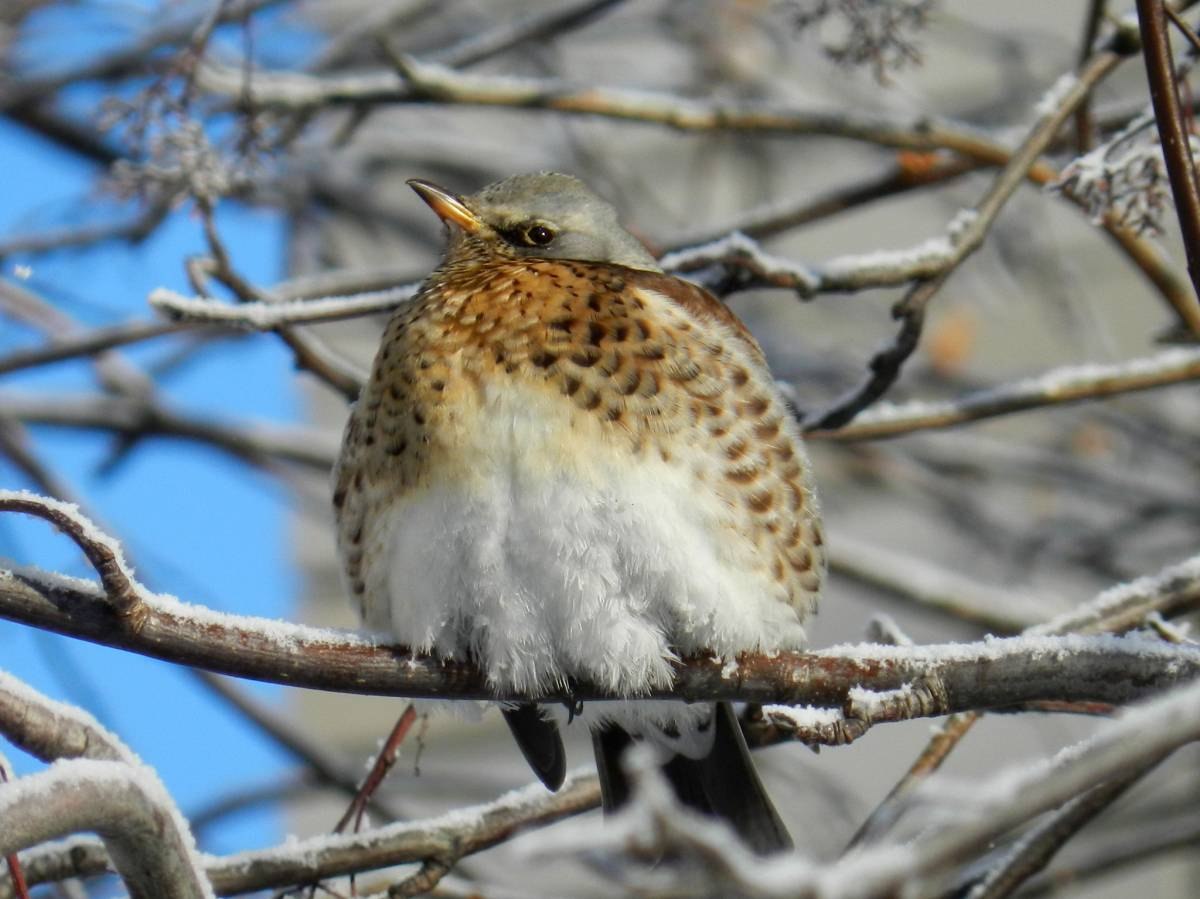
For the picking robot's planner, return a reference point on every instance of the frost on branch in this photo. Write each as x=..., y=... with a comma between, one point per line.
x=1125, y=179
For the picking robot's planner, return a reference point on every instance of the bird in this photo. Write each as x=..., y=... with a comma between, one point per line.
x=569, y=466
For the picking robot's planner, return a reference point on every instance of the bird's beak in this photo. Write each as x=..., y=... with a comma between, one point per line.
x=449, y=208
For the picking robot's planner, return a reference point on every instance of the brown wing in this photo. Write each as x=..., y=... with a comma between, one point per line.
x=700, y=303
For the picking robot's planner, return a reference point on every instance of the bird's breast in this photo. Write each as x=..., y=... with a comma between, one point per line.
x=575, y=490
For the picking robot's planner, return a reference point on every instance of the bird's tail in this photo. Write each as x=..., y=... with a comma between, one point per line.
x=723, y=784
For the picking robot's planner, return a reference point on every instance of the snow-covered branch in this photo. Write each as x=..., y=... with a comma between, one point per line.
x=263, y=316
x=957, y=819
x=945, y=678
x=95, y=784
x=1059, y=386
x=147, y=840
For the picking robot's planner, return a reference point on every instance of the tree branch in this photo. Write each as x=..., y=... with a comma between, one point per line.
x=144, y=834
x=1176, y=144
x=1057, y=387
x=1061, y=668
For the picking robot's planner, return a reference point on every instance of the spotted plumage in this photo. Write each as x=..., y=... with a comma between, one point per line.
x=570, y=465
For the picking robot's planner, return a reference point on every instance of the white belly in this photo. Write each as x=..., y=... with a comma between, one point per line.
x=552, y=555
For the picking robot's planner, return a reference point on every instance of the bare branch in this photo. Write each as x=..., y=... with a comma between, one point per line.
x=1116, y=610
x=1034, y=850
x=1057, y=387
x=97, y=340
x=933, y=587
x=257, y=443
x=1177, y=147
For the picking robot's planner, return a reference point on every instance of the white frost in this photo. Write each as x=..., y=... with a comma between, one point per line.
x=1053, y=98
x=266, y=315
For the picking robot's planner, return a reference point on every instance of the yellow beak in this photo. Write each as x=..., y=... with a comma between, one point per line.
x=449, y=207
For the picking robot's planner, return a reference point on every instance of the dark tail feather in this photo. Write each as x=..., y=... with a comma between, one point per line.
x=723, y=784
x=609, y=743
x=540, y=743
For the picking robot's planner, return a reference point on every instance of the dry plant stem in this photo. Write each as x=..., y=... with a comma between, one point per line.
x=137, y=823
x=50, y=735
x=106, y=793
x=1177, y=152
x=930, y=586
x=250, y=647
x=1034, y=850
x=1184, y=28
x=431, y=873
x=14, y=443
x=554, y=22
x=949, y=734
x=424, y=82
x=1132, y=744
x=886, y=364
x=962, y=819
x=457, y=834
x=133, y=229
x=914, y=171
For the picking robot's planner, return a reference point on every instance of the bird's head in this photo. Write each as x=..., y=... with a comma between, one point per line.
x=543, y=216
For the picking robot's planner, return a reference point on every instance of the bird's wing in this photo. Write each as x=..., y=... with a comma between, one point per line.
x=702, y=304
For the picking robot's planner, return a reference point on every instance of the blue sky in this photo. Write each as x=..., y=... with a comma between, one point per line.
x=194, y=522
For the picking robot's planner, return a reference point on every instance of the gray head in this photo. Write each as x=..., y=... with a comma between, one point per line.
x=545, y=216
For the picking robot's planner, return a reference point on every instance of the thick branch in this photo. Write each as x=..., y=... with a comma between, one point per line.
x=1097, y=669
x=454, y=835
x=52, y=730
x=146, y=838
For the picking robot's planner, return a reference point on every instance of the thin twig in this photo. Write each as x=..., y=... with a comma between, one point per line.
x=1035, y=849
x=1057, y=387
x=1083, y=115
x=966, y=237
x=1116, y=610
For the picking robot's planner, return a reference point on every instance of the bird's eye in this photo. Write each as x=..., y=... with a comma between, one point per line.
x=537, y=236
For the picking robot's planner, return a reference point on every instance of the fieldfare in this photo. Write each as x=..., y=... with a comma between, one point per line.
x=568, y=465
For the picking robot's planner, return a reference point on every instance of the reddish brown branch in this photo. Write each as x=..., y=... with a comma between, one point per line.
x=1177, y=150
